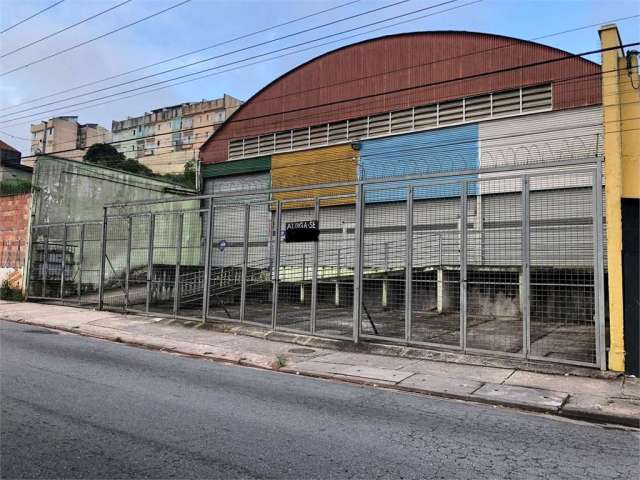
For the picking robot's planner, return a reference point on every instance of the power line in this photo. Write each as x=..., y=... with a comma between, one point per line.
x=258, y=56
x=46, y=37
x=554, y=129
x=440, y=82
x=215, y=57
x=65, y=50
x=184, y=54
x=317, y=46
x=30, y=17
x=308, y=118
x=340, y=40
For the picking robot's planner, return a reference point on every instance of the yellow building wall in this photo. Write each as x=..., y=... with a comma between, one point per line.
x=310, y=167
x=621, y=110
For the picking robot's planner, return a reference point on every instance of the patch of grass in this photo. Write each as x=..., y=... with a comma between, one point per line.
x=280, y=361
x=7, y=292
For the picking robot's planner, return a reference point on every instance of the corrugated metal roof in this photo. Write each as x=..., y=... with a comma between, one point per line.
x=352, y=81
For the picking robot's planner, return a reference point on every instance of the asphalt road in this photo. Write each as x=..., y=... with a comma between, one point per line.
x=74, y=407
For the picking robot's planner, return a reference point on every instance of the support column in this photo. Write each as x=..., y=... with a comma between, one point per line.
x=385, y=282
x=443, y=298
x=621, y=110
x=336, y=299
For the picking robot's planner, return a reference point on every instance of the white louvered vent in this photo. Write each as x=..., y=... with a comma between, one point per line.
x=506, y=103
x=450, y=112
x=338, y=132
x=251, y=146
x=266, y=143
x=318, y=135
x=425, y=117
x=235, y=149
x=283, y=141
x=472, y=109
x=379, y=124
x=358, y=128
x=401, y=121
x=477, y=108
x=536, y=98
x=301, y=138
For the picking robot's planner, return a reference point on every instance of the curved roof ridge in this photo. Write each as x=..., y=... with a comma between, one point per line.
x=293, y=70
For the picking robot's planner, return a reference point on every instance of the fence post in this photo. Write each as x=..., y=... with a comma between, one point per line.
x=408, y=288
x=245, y=261
x=63, y=259
x=176, y=279
x=45, y=263
x=206, y=279
x=81, y=259
x=601, y=357
x=357, y=261
x=103, y=256
x=314, y=271
x=152, y=231
x=276, y=266
x=464, y=186
x=127, y=271
x=526, y=271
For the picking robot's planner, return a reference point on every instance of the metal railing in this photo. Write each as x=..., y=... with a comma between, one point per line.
x=503, y=262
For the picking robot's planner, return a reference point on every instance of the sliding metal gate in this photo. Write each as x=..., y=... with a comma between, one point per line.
x=500, y=263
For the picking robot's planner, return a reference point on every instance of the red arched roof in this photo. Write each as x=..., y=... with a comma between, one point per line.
x=401, y=71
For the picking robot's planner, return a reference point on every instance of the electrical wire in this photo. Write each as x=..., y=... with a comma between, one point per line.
x=30, y=17
x=46, y=37
x=78, y=45
x=76, y=87
x=215, y=57
x=516, y=42
x=418, y=148
x=307, y=117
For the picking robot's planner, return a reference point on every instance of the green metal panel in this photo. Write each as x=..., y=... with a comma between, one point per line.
x=236, y=167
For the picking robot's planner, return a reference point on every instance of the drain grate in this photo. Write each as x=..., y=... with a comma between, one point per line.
x=301, y=350
x=35, y=330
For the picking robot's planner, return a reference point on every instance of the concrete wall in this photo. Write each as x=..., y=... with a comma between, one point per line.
x=68, y=191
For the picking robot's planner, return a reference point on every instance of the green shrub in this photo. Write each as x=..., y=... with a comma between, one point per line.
x=7, y=292
x=14, y=186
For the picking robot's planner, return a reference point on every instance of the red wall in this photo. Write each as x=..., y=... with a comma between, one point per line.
x=447, y=59
x=14, y=227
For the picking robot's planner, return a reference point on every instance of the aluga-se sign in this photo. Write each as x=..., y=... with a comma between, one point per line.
x=305, y=231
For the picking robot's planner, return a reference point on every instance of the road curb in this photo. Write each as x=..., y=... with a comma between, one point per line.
x=584, y=415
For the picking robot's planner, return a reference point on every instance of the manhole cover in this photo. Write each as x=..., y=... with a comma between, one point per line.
x=33, y=330
x=302, y=350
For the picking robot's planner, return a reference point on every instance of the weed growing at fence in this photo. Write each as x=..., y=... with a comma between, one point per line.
x=7, y=292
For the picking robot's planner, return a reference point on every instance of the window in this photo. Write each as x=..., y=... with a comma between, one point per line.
x=158, y=143
x=518, y=101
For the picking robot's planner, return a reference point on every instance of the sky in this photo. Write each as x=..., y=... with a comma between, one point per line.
x=202, y=23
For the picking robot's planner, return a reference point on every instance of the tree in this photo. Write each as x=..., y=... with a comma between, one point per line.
x=108, y=156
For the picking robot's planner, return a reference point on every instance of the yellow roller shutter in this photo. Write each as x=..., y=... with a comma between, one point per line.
x=311, y=167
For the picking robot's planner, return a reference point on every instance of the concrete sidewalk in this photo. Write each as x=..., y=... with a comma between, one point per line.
x=610, y=400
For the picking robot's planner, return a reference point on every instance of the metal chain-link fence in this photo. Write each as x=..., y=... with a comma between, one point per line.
x=509, y=263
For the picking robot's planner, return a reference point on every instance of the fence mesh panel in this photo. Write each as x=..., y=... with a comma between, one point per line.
x=503, y=263
x=436, y=265
x=336, y=245
x=562, y=267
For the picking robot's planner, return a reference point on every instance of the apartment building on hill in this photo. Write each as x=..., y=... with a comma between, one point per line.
x=65, y=137
x=166, y=138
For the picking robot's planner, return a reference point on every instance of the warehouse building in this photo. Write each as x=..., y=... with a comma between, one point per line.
x=424, y=129
x=433, y=189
